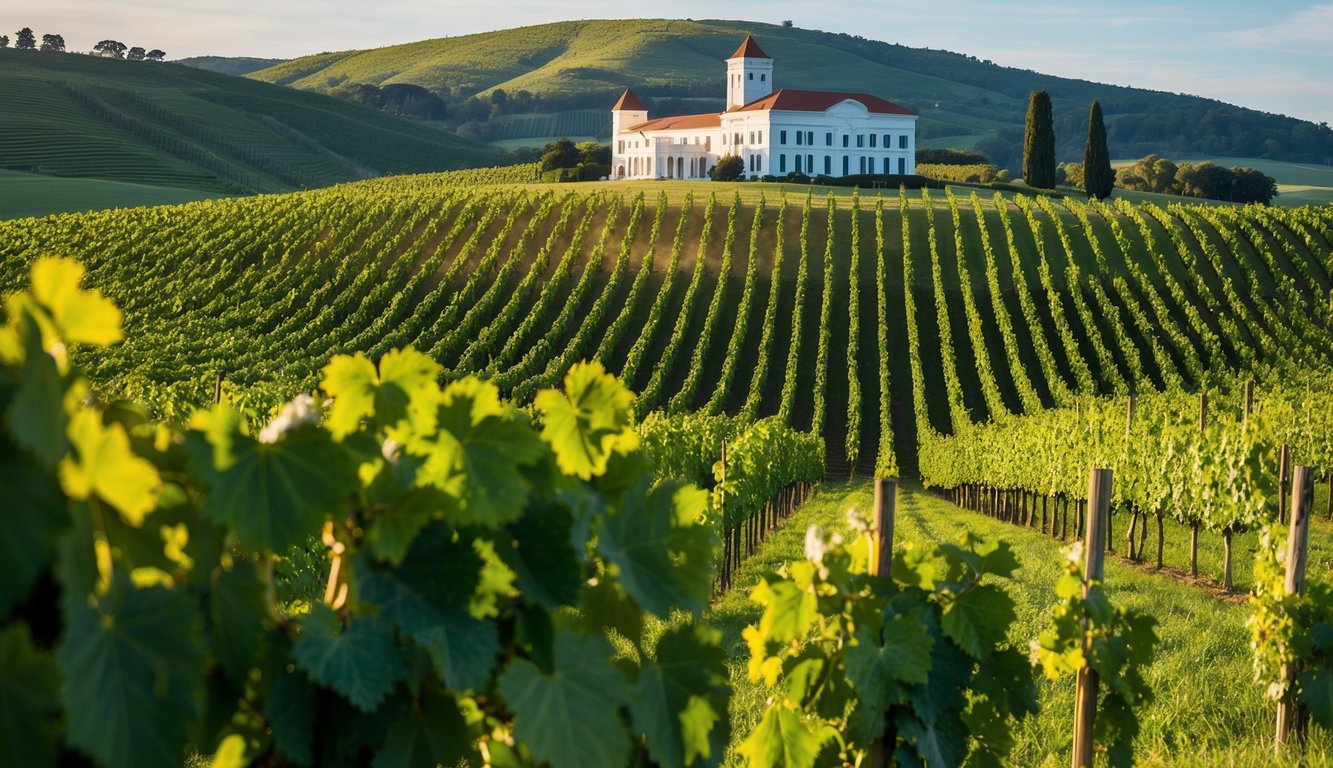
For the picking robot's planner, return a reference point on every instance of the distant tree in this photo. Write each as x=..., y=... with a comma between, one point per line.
x=53, y=43
x=157, y=54
x=1251, y=186
x=1039, y=142
x=1152, y=173
x=25, y=40
x=4, y=41
x=110, y=49
x=728, y=168
x=1070, y=174
x=1212, y=182
x=593, y=153
x=950, y=156
x=786, y=23
x=136, y=54
x=1098, y=175
x=560, y=153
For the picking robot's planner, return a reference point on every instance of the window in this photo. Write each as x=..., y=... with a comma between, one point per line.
x=738, y=137
x=828, y=165
x=810, y=163
x=751, y=76
x=845, y=160
x=708, y=143
x=763, y=77
x=863, y=164
x=810, y=138
x=782, y=137
x=782, y=163
x=872, y=140
x=860, y=140
x=799, y=136
x=751, y=137
x=761, y=136
x=902, y=166
x=886, y=165
x=888, y=140
x=902, y=141
x=844, y=140
x=798, y=163
x=759, y=163
x=828, y=139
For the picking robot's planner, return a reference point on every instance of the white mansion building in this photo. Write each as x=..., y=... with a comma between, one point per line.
x=774, y=132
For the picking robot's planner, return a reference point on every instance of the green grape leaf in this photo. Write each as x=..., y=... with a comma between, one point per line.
x=570, y=717
x=788, y=609
x=273, y=495
x=681, y=697
x=359, y=392
x=783, y=738
x=664, y=556
x=932, y=731
x=391, y=533
x=1316, y=693
x=978, y=619
x=290, y=712
x=899, y=651
x=30, y=700
x=37, y=418
x=81, y=317
x=34, y=516
x=107, y=467
x=549, y=571
x=427, y=731
x=362, y=662
x=237, y=611
x=605, y=605
x=133, y=671
x=587, y=422
x=427, y=598
x=477, y=455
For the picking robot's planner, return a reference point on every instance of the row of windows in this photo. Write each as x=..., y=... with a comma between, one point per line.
x=806, y=164
x=756, y=137
x=808, y=138
x=763, y=77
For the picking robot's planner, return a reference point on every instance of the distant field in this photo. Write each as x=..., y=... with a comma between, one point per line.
x=27, y=194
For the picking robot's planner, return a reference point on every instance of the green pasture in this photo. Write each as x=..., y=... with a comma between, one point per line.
x=26, y=194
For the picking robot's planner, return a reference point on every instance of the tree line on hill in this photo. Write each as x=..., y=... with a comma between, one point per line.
x=26, y=40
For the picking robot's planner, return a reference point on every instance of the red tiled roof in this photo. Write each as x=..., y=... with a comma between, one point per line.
x=679, y=123
x=628, y=101
x=819, y=101
x=749, y=50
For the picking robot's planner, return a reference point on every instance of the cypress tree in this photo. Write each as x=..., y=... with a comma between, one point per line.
x=1039, y=143
x=1098, y=176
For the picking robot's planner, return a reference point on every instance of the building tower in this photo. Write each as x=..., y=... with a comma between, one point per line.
x=749, y=74
x=628, y=111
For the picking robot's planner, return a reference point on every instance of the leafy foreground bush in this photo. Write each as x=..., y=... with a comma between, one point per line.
x=478, y=564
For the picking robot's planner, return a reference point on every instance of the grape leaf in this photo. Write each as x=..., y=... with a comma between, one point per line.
x=476, y=455
x=362, y=662
x=132, y=674
x=81, y=317
x=393, y=530
x=548, y=569
x=427, y=597
x=783, y=738
x=34, y=515
x=664, y=556
x=605, y=605
x=290, y=712
x=273, y=495
x=107, y=467
x=29, y=699
x=587, y=422
x=237, y=610
x=978, y=618
x=788, y=609
x=427, y=731
x=359, y=392
x=37, y=418
x=570, y=717
x=681, y=696
x=1316, y=693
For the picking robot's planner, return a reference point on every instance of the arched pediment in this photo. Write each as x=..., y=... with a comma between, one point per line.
x=848, y=108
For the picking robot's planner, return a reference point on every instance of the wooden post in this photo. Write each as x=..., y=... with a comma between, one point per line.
x=1133, y=510
x=1249, y=398
x=886, y=506
x=217, y=389
x=1094, y=560
x=1290, y=715
x=1283, y=481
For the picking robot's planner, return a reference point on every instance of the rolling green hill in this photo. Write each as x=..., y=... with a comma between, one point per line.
x=859, y=321
x=167, y=125
x=677, y=66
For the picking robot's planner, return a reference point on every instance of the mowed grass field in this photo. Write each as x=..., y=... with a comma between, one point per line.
x=29, y=194
x=1206, y=710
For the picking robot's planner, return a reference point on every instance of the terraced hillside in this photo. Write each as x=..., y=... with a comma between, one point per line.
x=169, y=125
x=860, y=315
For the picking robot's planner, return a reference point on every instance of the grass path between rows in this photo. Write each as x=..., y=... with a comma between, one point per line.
x=1207, y=710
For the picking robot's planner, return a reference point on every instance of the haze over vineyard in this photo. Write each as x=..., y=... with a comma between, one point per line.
x=403, y=468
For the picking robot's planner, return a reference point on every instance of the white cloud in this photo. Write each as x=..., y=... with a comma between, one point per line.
x=1307, y=32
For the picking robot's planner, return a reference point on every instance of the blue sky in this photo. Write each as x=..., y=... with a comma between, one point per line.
x=1276, y=56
